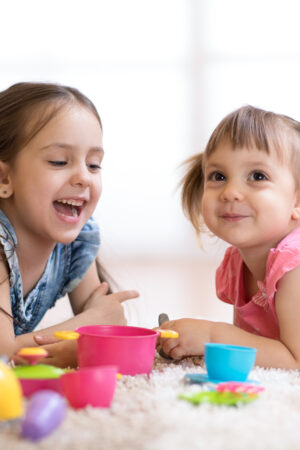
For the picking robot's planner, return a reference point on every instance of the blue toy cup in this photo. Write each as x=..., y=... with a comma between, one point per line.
x=228, y=362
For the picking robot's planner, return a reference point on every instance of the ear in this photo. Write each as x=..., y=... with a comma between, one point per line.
x=296, y=209
x=6, y=188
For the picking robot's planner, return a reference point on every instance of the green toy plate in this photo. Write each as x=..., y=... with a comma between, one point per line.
x=218, y=398
x=38, y=371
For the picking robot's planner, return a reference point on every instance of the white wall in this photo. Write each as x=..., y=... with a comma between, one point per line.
x=162, y=74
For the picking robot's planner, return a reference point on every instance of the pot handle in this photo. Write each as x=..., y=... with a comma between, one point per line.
x=167, y=333
x=66, y=335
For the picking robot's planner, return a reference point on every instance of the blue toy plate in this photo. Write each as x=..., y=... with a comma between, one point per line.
x=202, y=378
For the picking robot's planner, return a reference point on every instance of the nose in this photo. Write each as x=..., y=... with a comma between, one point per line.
x=231, y=192
x=81, y=176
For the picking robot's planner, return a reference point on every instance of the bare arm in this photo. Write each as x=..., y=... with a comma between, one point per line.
x=283, y=353
x=91, y=306
x=7, y=336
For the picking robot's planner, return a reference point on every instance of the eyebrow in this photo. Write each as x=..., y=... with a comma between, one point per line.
x=96, y=149
x=252, y=163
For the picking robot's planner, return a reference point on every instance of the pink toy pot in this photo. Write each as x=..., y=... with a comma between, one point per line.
x=132, y=349
x=94, y=386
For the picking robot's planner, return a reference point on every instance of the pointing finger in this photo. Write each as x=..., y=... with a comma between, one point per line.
x=125, y=295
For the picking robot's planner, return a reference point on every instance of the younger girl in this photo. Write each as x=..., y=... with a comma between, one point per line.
x=50, y=161
x=245, y=188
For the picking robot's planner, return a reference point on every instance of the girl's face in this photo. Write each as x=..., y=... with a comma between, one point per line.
x=249, y=199
x=55, y=179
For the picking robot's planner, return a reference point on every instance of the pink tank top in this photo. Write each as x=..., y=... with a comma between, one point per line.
x=258, y=315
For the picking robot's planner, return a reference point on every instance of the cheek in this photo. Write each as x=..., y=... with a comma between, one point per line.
x=97, y=190
x=206, y=207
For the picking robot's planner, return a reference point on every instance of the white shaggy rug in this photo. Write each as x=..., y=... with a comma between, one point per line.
x=146, y=414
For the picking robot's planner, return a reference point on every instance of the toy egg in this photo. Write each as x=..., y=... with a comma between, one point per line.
x=11, y=406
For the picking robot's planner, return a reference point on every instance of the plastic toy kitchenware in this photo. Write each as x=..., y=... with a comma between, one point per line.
x=131, y=349
x=11, y=406
x=32, y=354
x=218, y=398
x=45, y=412
x=163, y=317
x=94, y=386
x=39, y=376
x=239, y=387
x=228, y=362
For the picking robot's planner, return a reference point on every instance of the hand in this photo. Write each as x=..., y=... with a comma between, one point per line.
x=61, y=353
x=108, y=308
x=193, y=333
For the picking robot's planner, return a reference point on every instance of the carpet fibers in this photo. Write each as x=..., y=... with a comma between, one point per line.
x=146, y=414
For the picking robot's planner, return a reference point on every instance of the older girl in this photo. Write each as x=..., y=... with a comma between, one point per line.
x=50, y=161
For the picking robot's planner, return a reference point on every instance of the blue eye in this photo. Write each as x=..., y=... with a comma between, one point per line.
x=216, y=176
x=257, y=175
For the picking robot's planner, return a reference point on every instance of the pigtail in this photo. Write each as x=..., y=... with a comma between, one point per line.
x=192, y=190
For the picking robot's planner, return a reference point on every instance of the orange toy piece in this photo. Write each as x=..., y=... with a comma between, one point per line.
x=32, y=354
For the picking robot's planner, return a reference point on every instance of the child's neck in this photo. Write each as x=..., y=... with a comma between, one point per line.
x=32, y=262
x=254, y=271
x=256, y=263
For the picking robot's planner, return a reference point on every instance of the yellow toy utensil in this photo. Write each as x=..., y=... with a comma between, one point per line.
x=11, y=406
x=66, y=335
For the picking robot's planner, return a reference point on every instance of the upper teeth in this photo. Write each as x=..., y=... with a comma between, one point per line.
x=72, y=202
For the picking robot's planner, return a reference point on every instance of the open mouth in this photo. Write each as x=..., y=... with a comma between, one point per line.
x=70, y=208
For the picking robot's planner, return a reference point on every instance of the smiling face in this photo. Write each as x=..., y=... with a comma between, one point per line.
x=249, y=197
x=55, y=179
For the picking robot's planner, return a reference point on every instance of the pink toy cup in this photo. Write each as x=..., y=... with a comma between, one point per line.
x=132, y=349
x=94, y=386
x=30, y=386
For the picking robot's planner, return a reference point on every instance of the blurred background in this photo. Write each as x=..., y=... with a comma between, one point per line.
x=162, y=74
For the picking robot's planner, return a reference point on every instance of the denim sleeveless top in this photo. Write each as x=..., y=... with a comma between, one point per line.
x=65, y=269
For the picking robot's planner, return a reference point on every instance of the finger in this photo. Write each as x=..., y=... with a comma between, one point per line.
x=168, y=345
x=44, y=339
x=163, y=354
x=51, y=360
x=102, y=289
x=18, y=360
x=125, y=295
x=170, y=324
x=177, y=353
